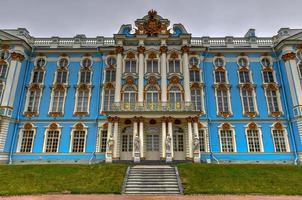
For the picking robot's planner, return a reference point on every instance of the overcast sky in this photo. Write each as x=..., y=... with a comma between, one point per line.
x=46, y=18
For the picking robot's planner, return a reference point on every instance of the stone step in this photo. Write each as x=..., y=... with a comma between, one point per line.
x=152, y=189
x=155, y=174
x=150, y=180
x=151, y=192
x=153, y=186
x=153, y=182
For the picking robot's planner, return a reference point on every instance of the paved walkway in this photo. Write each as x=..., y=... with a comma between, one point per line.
x=147, y=197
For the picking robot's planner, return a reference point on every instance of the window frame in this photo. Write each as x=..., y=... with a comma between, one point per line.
x=131, y=65
x=72, y=140
x=277, y=98
x=76, y=110
x=223, y=102
x=46, y=139
x=254, y=100
x=286, y=140
x=260, y=139
x=20, y=139
x=28, y=100
x=3, y=65
x=233, y=139
x=174, y=71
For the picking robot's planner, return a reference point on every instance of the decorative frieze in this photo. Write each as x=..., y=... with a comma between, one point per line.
x=289, y=56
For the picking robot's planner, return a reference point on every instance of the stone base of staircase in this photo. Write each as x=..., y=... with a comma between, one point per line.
x=152, y=179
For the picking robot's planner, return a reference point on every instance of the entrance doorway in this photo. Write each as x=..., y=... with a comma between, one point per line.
x=178, y=144
x=152, y=142
x=127, y=143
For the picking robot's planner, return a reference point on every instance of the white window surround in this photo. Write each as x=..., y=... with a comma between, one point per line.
x=278, y=99
x=233, y=137
x=219, y=57
x=201, y=97
x=239, y=58
x=85, y=129
x=108, y=61
x=38, y=58
x=56, y=77
x=299, y=54
x=2, y=87
x=127, y=59
x=229, y=101
x=63, y=57
x=254, y=102
x=196, y=58
x=110, y=75
x=299, y=66
x=266, y=61
x=20, y=137
x=274, y=77
x=46, y=137
x=76, y=101
x=33, y=72
x=4, y=66
x=100, y=140
x=104, y=107
x=52, y=98
x=246, y=128
x=206, y=138
x=28, y=98
x=180, y=63
x=83, y=59
x=4, y=54
x=284, y=129
x=85, y=70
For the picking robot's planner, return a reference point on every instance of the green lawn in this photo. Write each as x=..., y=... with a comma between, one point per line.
x=241, y=179
x=35, y=179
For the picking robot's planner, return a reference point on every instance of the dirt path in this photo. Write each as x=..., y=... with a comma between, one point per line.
x=147, y=197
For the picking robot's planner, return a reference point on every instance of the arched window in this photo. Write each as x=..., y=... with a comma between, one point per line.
x=300, y=69
x=265, y=62
x=33, y=100
x=4, y=54
x=227, y=139
x=253, y=137
x=26, y=140
x=78, y=139
x=193, y=61
x=194, y=76
x=152, y=94
x=244, y=76
x=127, y=139
x=223, y=101
x=108, y=99
x=82, y=101
x=110, y=75
x=175, y=95
x=242, y=62
x=86, y=62
x=63, y=62
x=129, y=95
x=219, y=62
x=52, y=139
x=196, y=98
x=1, y=91
x=38, y=76
x=41, y=62
x=220, y=76
x=268, y=77
x=111, y=61
x=248, y=100
x=272, y=101
x=58, y=101
x=3, y=70
x=280, y=138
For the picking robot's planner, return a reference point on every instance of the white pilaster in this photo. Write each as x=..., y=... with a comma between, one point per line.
x=134, y=135
x=141, y=137
x=115, y=135
x=141, y=50
x=119, y=66
x=163, y=63
x=163, y=142
x=109, y=141
x=170, y=132
x=185, y=61
x=190, y=139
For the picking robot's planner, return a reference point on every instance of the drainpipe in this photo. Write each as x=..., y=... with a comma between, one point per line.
x=207, y=110
x=19, y=108
x=287, y=110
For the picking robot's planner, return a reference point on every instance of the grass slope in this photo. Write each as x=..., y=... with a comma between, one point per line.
x=241, y=179
x=35, y=179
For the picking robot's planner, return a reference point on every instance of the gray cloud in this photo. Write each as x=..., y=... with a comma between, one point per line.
x=44, y=18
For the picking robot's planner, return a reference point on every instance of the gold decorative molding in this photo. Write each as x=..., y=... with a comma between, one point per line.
x=276, y=114
x=130, y=55
x=226, y=126
x=289, y=56
x=55, y=114
x=174, y=55
x=175, y=80
x=119, y=49
x=31, y=114
x=163, y=49
x=17, y=56
x=28, y=125
x=250, y=114
x=225, y=114
x=185, y=49
x=81, y=113
x=53, y=126
x=79, y=126
x=152, y=55
x=278, y=125
x=252, y=126
x=141, y=49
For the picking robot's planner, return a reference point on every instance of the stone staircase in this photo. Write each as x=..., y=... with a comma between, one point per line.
x=152, y=179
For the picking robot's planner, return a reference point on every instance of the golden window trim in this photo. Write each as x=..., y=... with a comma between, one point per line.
x=55, y=114
x=271, y=86
x=35, y=87
x=250, y=114
x=226, y=126
x=31, y=114
x=275, y=114
x=225, y=114
x=174, y=55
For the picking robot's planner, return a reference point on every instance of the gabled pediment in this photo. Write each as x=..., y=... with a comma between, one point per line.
x=296, y=36
x=6, y=36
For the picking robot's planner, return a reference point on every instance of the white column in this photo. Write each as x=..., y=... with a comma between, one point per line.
x=163, y=67
x=140, y=50
x=109, y=139
x=196, y=151
x=12, y=78
x=170, y=132
x=115, y=136
x=195, y=129
x=141, y=137
x=185, y=61
x=190, y=138
x=134, y=134
x=119, y=66
x=163, y=142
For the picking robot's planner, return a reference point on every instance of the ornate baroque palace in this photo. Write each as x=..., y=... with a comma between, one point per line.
x=152, y=92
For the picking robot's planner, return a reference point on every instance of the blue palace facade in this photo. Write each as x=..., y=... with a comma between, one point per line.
x=153, y=92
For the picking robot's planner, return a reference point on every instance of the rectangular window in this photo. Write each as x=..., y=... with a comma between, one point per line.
x=127, y=143
x=27, y=141
x=58, y=101
x=279, y=139
x=85, y=77
x=103, y=140
x=178, y=142
x=33, y=101
x=52, y=141
x=227, y=141
x=130, y=66
x=61, y=77
x=174, y=66
x=248, y=101
x=244, y=77
x=108, y=99
x=272, y=100
x=3, y=70
x=38, y=77
x=196, y=99
x=202, y=140
x=110, y=75
x=194, y=76
x=78, y=141
x=253, y=139
x=1, y=92
x=152, y=142
x=220, y=77
x=223, y=102
x=268, y=77
x=82, y=101
x=152, y=66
